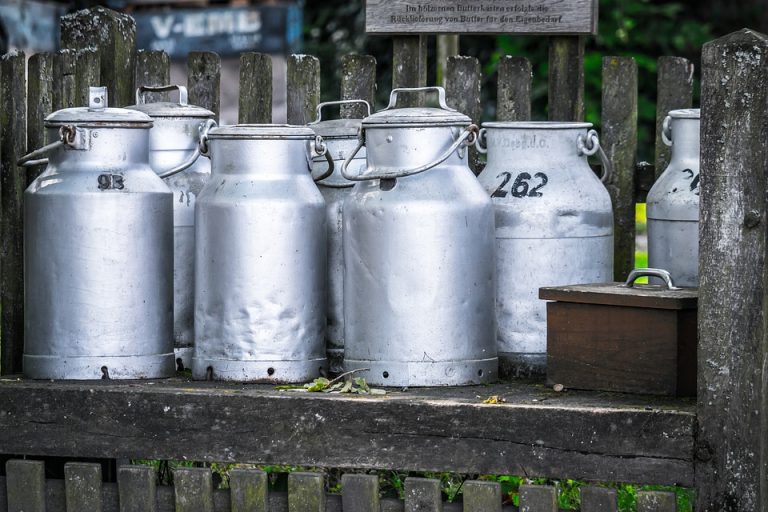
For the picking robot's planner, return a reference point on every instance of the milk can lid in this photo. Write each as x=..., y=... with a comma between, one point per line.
x=337, y=128
x=685, y=113
x=97, y=112
x=168, y=108
x=261, y=131
x=417, y=116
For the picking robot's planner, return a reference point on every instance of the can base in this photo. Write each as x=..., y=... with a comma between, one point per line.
x=259, y=371
x=513, y=365
x=335, y=360
x=185, y=354
x=156, y=366
x=426, y=373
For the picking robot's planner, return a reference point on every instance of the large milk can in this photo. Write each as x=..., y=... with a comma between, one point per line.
x=260, y=258
x=340, y=136
x=419, y=278
x=554, y=226
x=673, y=202
x=173, y=148
x=98, y=251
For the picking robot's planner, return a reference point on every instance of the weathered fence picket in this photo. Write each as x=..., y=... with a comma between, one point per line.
x=255, y=105
x=358, y=82
x=674, y=89
x=204, y=81
x=598, y=499
x=25, y=481
x=83, y=486
x=566, y=78
x=40, y=89
x=538, y=498
x=248, y=490
x=513, y=97
x=480, y=496
x=153, y=69
x=303, y=88
x=361, y=493
x=137, y=489
x=462, y=89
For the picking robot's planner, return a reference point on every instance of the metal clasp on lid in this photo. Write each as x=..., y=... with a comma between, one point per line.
x=97, y=98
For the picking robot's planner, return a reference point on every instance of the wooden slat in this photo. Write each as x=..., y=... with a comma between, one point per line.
x=674, y=89
x=462, y=88
x=303, y=88
x=83, y=486
x=3, y=495
x=204, y=81
x=358, y=82
x=447, y=46
x=13, y=181
x=538, y=498
x=65, y=81
x=619, y=141
x=360, y=493
x=137, y=489
x=513, y=97
x=248, y=490
x=732, y=450
x=658, y=501
x=423, y=495
x=193, y=489
x=87, y=74
x=482, y=496
x=409, y=66
x=566, y=78
x=25, y=483
x=598, y=499
x=153, y=68
x=306, y=492
x=40, y=88
x=114, y=34
x=255, y=105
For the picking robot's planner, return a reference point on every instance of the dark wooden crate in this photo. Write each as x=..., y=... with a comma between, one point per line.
x=613, y=338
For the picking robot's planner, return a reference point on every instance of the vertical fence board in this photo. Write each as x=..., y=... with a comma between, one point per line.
x=303, y=88
x=598, y=499
x=137, y=489
x=25, y=484
x=193, y=489
x=422, y=495
x=255, y=106
x=462, y=87
x=619, y=141
x=358, y=82
x=39, y=104
x=566, y=78
x=83, y=486
x=3, y=495
x=656, y=501
x=481, y=496
x=87, y=74
x=732, y=354
x=248, y=490
x=447, y=46
x=65, y=86
x=153, y=69
x=13, y=181
x=360, y=493
x=674, y=89
x=114, y=34
x=306, y=492
x=513, y=97
x=538, y=498
x=204, y=81
x=409, y=65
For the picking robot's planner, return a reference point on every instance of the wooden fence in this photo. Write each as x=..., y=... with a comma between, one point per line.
x=718, y=443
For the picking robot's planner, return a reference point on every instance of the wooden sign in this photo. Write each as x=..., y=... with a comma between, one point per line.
x=481, y=16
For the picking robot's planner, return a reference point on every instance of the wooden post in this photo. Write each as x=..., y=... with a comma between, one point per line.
x=306, y=492
x=482, y=496
x=65, y=81
x=153, y=68
x=674, y=89
x=462, y=88
x=409, y=66
x=114, y=34
x=87, y=74
x=447, y=46
x=193, y=489
x=513, y=97
x=359, y=493
x=248, y=489
x=303, y=88
x=255, y=104
x=358, y=82
x=25, y=481
x=83, y=486
x=538, y=498
x=598, y=499
x=656, y=501
x=13, y=181
x=732, y=405
x=566, y=78
x=137, y=489
x=619, y=141
x=204, y=81
x=39, y=104
x=423, y=495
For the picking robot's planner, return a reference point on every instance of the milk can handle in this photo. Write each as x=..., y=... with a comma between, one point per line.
x=67, y=135
x=200, y=149
x=650, y=272
x=590, y=145
x=469, y=131
x=319, y=114
x=161, y=88
x=666, y=131
x=321, y=149
x=439, y=90
x=481, y=142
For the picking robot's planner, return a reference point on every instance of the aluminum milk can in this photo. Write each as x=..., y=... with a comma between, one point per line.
x=419, y=278
x=98, y=251
x=173, y=148
x=260, y=258
x=554, y=226
x=673, y=202
x=340, y=136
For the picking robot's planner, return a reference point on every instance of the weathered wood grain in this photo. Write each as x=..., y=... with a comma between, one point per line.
x=306, y=492
x=137, y=489
x=482, y=496
x=360, y=493
x=153, y=69
x=358, y=82
x=83, y=486
x=114, y=34
x=409, y=66
x=255, y=105
x=732, y=447
x=40, y=89
x=566, y=79
x=656, y=501
x=513, y=97
x=447, y=46
x=25, y=483
x=87, y=74
x=598, y=499
x=538, y=498
x=65, y=81
x=674, y=89
x=462, y=89
x=423, y=495
x=248, y=488
x=204, y=81
x=303, y=88
x=619, y=141
x=193, y=489
x=13, y=181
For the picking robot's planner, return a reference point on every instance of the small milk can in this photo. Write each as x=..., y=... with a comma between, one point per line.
x=340, y=136
x=98, y=251
x=260, y=257
x=673, y=202
x=419, y=279
x=173, y=148
x=554, y=226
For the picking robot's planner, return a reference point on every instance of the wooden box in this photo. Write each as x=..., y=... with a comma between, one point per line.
x=611, y=337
